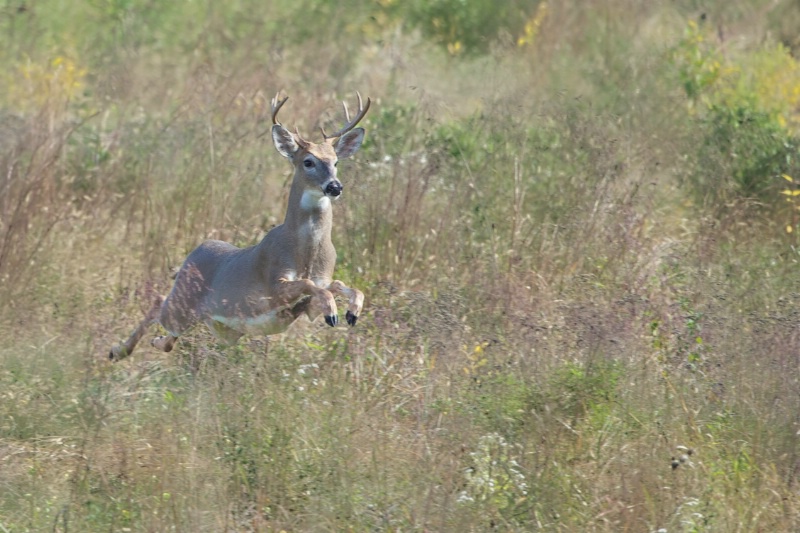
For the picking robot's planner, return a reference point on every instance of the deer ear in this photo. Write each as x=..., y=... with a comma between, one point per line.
x=349, y=143
x=284, y=141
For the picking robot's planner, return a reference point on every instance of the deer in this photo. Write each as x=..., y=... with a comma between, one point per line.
x=263, y=289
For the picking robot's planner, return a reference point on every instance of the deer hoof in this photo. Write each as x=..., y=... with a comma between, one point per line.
x=163, y=343
x=331, y=320
x=117, y=352
x=351, y=318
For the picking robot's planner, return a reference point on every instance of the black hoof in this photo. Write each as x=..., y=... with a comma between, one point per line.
x=331, y=320
x=111, y=354
x=351, y=318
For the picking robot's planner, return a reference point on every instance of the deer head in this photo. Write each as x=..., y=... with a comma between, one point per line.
x=315, y=164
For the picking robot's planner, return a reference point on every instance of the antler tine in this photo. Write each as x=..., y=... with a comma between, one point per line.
x=349, y=125
x=346, y=111
x=299, y=137
x=276, y=106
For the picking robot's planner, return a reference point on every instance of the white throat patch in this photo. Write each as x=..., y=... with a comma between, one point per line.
x=314, y=199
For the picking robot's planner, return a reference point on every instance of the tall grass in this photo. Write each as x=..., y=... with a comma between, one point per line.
x=576, y=318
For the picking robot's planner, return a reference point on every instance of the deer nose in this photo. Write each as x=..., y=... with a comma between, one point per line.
x=334, y=189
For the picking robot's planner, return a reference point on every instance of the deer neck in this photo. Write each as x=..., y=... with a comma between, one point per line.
x=309, y=212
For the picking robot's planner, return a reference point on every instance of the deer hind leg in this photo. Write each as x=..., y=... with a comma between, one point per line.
x=123, y=350
x=165, y=343
x=355, y=300
x=182, y=309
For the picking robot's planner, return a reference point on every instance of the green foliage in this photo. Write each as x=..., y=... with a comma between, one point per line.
x=468, y=26
x=698, y=63
x=586, y=390
x=746, y=111
x=500, y=399
x=743, y=155
x=486, y=153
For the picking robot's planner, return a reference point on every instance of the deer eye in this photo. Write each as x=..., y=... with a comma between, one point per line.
x=308, y=163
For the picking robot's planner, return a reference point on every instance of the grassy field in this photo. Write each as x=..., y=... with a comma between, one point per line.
x=576, y=226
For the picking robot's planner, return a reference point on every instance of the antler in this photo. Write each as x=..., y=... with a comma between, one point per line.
x=276, y=106
x=350, y=124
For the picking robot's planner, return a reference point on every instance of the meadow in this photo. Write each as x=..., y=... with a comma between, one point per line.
x=575, y=224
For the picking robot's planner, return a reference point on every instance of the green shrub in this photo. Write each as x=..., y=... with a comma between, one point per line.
x=586, y=390
x=468, y=26
x=745, y=110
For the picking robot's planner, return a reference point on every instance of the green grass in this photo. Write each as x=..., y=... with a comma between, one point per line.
x=577, y=317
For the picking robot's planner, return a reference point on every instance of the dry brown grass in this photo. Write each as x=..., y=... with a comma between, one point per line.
x=551, y=323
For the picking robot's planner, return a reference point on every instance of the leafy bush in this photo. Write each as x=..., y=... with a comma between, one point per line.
x=745, y=109
x=743, y=154
x=469, y=26
x=585, y=390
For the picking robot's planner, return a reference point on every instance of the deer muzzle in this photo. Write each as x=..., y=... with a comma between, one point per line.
x=334, y=188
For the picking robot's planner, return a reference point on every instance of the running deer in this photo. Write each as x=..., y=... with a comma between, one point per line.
x=263, y=289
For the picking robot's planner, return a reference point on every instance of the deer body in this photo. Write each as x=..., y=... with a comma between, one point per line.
x=264, y=288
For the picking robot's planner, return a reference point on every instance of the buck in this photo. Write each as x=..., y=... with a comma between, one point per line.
x=263, y=289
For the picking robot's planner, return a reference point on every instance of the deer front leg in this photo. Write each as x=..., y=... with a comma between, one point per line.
x=355, y=300
x=322, y=302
